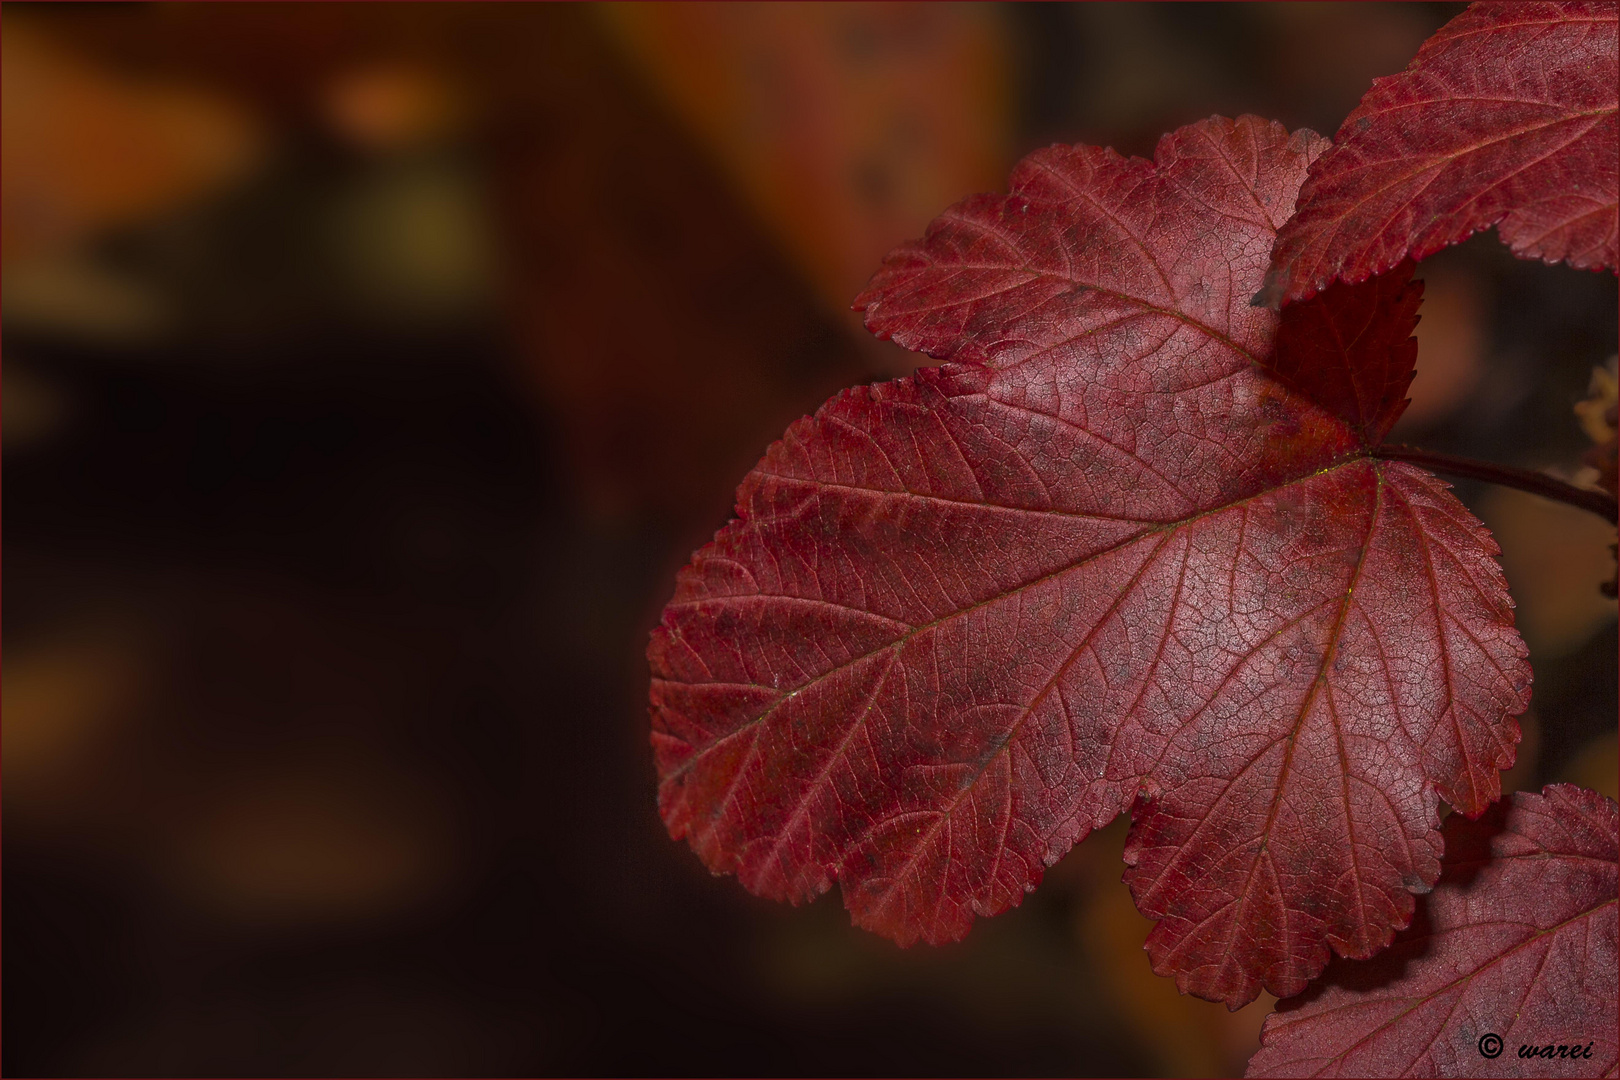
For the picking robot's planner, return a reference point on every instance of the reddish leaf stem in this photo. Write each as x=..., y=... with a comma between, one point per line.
x=1548, y=487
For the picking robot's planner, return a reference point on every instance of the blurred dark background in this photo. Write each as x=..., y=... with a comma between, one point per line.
x=369, y=372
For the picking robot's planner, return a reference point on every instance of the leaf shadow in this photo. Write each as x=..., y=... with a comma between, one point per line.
x=1468, y=853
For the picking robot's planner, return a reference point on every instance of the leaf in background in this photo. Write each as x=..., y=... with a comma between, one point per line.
x=845, y=126
x=967, y=617
x=1599, y=414
x=1517, y=940
x=1506, y=117
x=91, y=149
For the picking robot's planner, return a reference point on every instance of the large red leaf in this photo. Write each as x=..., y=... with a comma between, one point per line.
x=1506, y=117
x=1517, y=941
x=1099, y=557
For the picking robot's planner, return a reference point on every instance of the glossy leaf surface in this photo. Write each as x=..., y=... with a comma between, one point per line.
x=1506, y=117
x=1518, y=941
x=1100, y=560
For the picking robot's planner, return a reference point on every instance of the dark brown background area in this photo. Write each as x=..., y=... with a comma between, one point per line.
x=369, y=372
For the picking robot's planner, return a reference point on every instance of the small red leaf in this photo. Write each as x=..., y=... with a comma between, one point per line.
x=1350, y=350
x=1518, y=941
x=1099, y=558
x=1506, y=117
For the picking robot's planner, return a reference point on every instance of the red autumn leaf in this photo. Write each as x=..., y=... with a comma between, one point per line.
x=1099, y=557
x=1517, y=941
x=1506, y=117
